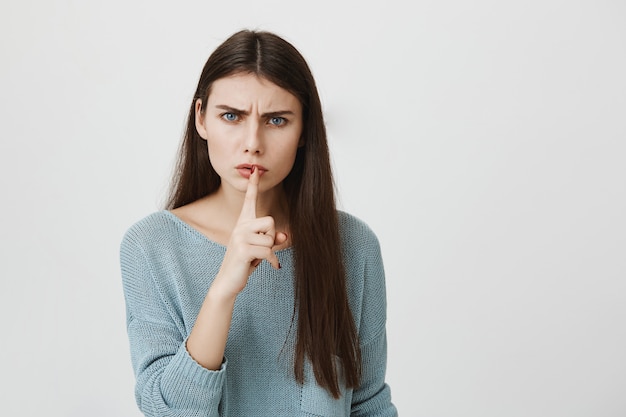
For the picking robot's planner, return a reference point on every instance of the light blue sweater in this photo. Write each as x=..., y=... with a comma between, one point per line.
x=167, y=268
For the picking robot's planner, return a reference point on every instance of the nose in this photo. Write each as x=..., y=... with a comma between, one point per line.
x=253, y=141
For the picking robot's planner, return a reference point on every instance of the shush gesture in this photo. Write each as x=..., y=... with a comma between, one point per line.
x=253, y=239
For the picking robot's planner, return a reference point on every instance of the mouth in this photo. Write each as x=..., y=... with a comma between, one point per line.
x=245, y=170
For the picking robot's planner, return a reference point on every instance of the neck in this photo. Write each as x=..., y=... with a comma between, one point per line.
x=272, y=203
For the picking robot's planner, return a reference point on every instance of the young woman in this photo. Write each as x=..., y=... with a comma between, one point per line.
x=252, y=295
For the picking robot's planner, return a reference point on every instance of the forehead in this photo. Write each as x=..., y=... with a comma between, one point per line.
x=243, y=90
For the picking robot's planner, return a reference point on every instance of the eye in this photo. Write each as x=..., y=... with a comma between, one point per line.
x=231, y=117
x=277, y=121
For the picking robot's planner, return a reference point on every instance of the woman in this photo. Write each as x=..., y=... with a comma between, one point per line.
x=251, y=295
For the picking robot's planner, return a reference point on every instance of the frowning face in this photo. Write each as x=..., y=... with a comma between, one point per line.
x=250, y=121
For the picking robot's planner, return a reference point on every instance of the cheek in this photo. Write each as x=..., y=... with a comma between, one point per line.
x=288, y=157
x=218, y=154
x=217, y=139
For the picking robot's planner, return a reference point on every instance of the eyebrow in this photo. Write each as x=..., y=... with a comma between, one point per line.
x=246, y=113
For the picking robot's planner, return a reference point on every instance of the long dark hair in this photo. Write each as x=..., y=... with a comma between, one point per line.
x=326, y=328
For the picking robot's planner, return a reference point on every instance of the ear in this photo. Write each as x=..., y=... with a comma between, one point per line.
x=301, y=141
x=200, y=120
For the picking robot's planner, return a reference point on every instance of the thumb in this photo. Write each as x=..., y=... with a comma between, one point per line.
x=280, y=238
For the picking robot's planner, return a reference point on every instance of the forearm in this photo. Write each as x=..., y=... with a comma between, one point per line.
x=207, y=340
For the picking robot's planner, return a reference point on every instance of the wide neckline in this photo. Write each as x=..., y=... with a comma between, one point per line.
x=201, y=235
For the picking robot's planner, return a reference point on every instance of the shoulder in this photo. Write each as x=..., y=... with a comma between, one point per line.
x=161, y=228
x=356, y=232
x=149, y=227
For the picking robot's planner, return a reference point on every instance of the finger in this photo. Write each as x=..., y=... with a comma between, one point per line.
x=280, y=238
x=260, y=253
x=260, y=239
x=264, y=225
x=248, y=210
x=273, y=260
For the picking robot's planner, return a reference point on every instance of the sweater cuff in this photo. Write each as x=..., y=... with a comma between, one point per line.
x=185, y=376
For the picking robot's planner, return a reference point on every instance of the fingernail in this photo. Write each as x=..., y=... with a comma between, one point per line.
x=252, y=169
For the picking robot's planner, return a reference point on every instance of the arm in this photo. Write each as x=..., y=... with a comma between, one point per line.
x=252, y=240
x=178, y=376
x=168, y=381
x=373, y=397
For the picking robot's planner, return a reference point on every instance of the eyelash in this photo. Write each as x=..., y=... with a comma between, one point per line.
x=281, y=120
x=225, y=116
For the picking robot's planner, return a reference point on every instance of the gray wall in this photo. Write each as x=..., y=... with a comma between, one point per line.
x=483, y=141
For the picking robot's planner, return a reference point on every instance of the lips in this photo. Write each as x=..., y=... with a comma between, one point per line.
x=246, y=169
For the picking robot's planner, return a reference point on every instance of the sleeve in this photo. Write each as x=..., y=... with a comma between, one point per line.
x=373, y=397
x=168, y=381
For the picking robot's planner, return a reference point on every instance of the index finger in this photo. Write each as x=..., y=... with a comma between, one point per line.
x=248, y=210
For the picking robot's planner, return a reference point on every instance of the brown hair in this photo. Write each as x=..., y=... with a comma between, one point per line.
x=326, y=328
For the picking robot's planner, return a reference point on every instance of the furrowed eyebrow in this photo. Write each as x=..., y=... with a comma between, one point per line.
x=278, y=113
x=246, y=113
x=231, y=109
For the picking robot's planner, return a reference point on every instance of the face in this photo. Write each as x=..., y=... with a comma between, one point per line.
x=250, y=121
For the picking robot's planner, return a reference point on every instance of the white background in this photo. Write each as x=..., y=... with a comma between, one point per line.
x=483, y=141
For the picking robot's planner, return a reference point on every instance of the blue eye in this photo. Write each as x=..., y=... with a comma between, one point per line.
x=278, y=121
x=231, y=117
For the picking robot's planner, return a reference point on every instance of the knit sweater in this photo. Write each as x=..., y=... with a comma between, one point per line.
x=167, y=267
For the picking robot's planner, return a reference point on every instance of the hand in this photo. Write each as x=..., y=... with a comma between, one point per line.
x=252, y=240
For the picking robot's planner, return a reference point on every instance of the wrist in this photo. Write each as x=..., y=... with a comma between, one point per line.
x=220, y=294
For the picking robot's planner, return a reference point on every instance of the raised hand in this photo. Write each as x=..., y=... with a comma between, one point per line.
x=252, y=240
